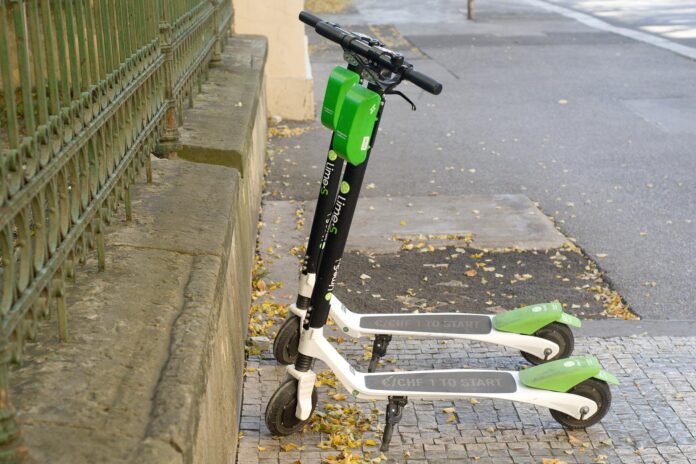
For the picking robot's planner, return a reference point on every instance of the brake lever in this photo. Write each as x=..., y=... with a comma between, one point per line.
x=401, y=94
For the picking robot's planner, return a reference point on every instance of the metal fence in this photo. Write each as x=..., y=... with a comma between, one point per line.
x=89, y=89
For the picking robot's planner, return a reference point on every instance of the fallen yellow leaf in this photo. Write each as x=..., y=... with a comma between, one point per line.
x=287, y=447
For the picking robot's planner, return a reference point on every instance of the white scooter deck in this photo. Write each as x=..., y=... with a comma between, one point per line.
x=430, y=384
x=478, y=327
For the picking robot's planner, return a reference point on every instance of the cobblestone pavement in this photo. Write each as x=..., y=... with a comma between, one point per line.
x=652, y=419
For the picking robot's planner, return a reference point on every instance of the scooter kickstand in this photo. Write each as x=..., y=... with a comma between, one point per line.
x=379, y=350
x=395, y=409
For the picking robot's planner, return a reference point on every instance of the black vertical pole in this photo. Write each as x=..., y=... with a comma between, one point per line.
x=339, y=226
x=328, y=190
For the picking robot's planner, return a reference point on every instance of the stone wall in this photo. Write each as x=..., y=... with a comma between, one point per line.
x=152, y=370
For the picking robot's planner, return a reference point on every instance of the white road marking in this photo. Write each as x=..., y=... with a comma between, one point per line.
x=595, y=23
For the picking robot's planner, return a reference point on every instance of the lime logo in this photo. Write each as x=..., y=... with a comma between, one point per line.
x=345, y=329
x=345, y=187
x=537, y=309
x=365, y=143
x=332, y=155
x=327, y=297
x=355, y=392
x=569, y=364
x=373, y=108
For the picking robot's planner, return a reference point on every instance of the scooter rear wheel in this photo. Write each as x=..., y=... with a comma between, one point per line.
x=595, y=390
x=287, y=341
x=280, y=411
x=557, y=333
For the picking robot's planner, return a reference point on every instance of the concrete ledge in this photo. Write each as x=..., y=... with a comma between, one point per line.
x=218, y=129
x=151, y=338
x=227, y=126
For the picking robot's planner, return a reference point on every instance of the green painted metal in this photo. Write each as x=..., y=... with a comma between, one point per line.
x=563, y=374
x=340, y=82
x=607, y=376
x=89, y=89
x=356, y=124
x=528, y=319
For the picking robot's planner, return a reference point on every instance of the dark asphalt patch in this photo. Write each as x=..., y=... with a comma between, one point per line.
x=468, y=280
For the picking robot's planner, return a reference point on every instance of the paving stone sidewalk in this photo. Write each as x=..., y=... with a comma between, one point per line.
x=652, y=419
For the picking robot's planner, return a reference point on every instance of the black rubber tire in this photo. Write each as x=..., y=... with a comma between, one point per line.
x=594, y=389
x=280, y=411
x=557, y=333
x=287, y=341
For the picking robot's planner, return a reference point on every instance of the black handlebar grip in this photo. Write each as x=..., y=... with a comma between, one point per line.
x=330, y=32
x=424, y=82
x=309, y=19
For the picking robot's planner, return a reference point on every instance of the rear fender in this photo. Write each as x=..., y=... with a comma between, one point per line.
x=563, y=374
x=528, y=319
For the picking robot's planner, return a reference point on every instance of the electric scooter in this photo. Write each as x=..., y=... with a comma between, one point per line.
x=576, y=390
x=541, y=332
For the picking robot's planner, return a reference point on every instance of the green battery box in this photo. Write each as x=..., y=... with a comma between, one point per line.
x=356, y=123
x=340, y=82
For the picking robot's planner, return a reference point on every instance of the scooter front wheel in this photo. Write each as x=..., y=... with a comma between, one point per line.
x=558, y=333
x=280, y=411
x=595, y=390
x=287, y=341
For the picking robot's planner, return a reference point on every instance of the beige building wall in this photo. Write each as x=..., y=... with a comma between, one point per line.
x=289, y=83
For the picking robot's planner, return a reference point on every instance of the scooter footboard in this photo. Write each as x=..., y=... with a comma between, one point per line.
x=446, y=323
x=460, y=383
x=438, y=325
x=438, y=382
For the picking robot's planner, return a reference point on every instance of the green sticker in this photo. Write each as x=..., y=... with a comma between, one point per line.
x=345, y=329
x=345, y=187
x=327, y=297
x=332, y=155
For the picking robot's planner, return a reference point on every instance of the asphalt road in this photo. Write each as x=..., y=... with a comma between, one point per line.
x=595, y=127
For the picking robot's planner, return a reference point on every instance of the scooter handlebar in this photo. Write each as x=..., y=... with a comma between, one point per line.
x=424, y=82
x=330, y=32
x=353, y=43
x=309, y=19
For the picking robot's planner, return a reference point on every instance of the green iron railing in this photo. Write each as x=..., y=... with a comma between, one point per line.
x=89, y=89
